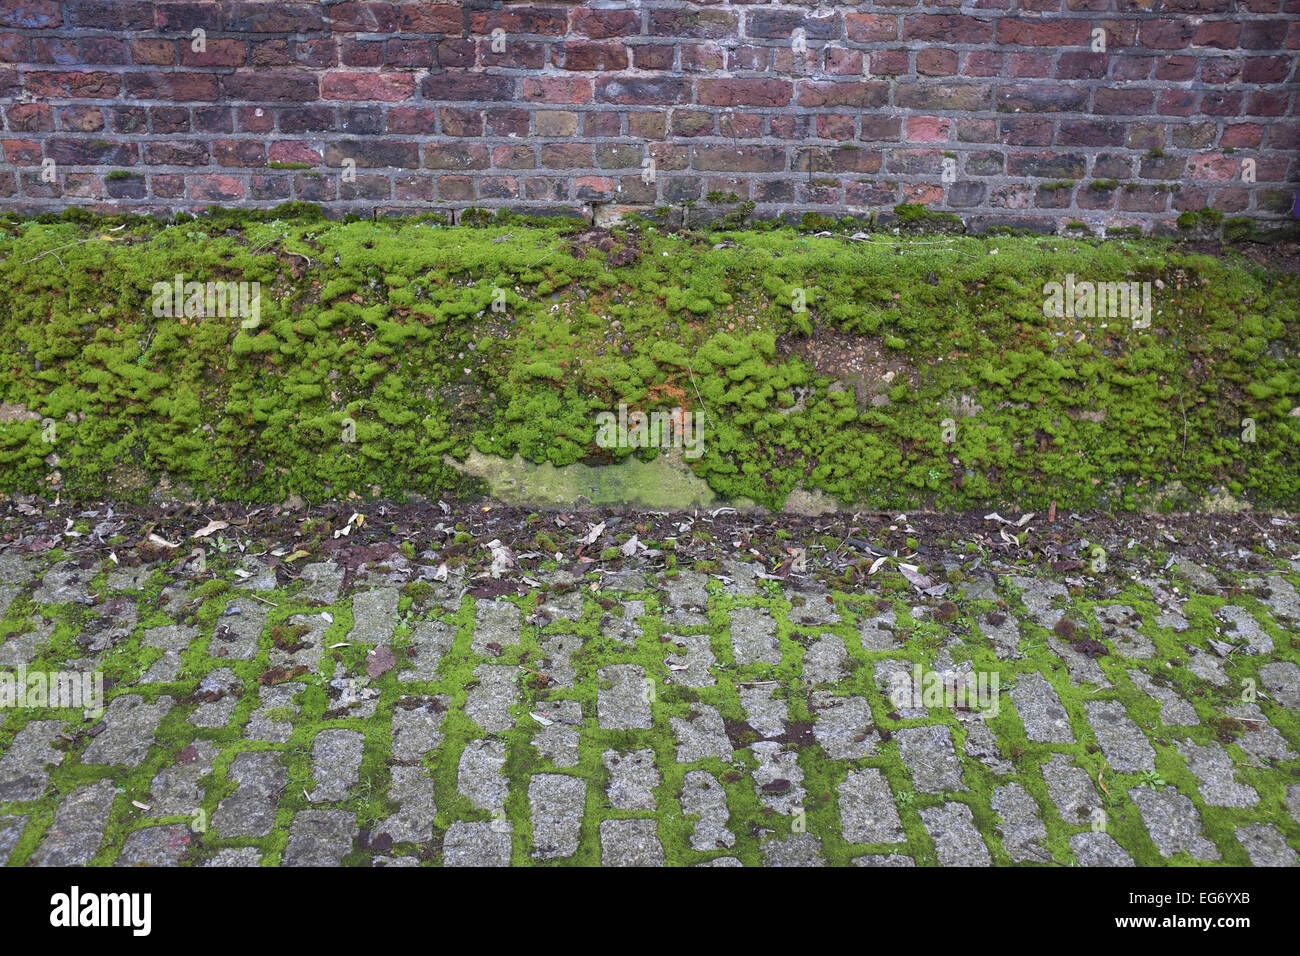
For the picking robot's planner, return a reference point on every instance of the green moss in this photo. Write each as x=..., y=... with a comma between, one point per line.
x=1204, y=219
x=386, y=331
x=914, y=218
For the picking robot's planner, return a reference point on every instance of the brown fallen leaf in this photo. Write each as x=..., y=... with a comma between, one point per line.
x=380, y=661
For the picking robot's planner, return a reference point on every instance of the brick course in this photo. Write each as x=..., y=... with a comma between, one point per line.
x=1002, y=111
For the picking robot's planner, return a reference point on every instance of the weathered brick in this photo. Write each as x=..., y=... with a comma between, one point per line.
x=743, y=92
x=739, y=159
x=952, y=28
x=385, y=87
x=466, y=87
x=589, y=57
x=1090, y=133
x=1041, y=99
x=270, y=87
x=1047, y=165
x=941, y=96
x=1055, y=33
x=631, y=90
x=273, y=17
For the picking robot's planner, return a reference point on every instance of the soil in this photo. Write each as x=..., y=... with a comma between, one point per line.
x=782, y=545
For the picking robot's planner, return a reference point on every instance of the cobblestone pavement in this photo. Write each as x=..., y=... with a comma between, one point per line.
x=641, y=707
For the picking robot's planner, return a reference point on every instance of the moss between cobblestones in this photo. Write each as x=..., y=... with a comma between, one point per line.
x=920, y=640
x=390, y=325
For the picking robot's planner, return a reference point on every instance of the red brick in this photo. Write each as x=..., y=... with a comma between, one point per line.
x=928, y=129
x=589, y=57
x=1166, y=34
x=936, y=62
x=604, y=24
x=217, y=188
x=744, y=92
x=31, y=14
x=271, y=86
x=363, y=18
x=386, y=87
x=1055, y=33
x=870, y=28
x=953, y=28
x=864, y=95
x=56, y=85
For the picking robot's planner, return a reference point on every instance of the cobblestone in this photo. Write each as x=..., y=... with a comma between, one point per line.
x=612, y=712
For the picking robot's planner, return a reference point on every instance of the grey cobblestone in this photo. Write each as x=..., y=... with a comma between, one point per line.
x=430, y=642
x=1040, y=710
x=623, y=702
x=250, y=811
x=778, y=778
x=1266, y=845
x=78, y=827
x=412, y=789
x=320, y=838
x=803, y=849
x=703, y=796
x=476, y=844
x=767, y=714
x=634, y=724
x=1126, y=748
x=23, y=768
x=335, y=759
x=556, y=803
x=630, y=843
x=929, y=756
x=128, y=730
x=11, y=831
x=867, y=811
x=1173, y=822
x=1213, y=768
x=843, y=725
x=480, y=774
x=632, y=779
x=956, y=840
x=753, y=636
x=492, y=698
x=691, y=661
x=1098, y=849
x=703, y=735
x=1023, y=832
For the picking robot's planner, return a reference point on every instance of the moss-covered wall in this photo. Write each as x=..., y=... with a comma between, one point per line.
x=882, y=370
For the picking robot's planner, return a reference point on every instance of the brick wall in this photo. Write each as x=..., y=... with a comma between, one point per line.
x=1001, y=111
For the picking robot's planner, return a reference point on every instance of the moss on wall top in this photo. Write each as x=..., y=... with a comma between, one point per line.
x=888, y=372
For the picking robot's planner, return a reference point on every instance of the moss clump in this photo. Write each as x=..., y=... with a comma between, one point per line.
x=915, y=218
x=1208, y=219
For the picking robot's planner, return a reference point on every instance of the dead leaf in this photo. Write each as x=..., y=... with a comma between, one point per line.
x=209, y=528
x=380, y=661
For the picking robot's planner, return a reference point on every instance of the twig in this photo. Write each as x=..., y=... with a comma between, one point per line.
x=699, y=396
x=51, y=252
x=263, y=600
